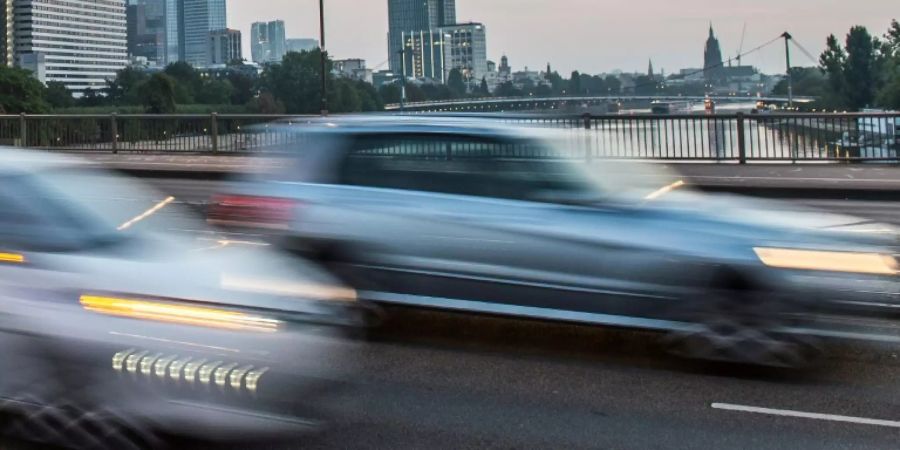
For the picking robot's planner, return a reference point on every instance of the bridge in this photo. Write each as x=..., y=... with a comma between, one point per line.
x=553, y=103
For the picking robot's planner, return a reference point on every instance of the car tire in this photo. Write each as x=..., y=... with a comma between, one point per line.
x=42, y=404
x=739, y=321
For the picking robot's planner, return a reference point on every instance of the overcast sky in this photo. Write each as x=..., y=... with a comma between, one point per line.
x=590, y=35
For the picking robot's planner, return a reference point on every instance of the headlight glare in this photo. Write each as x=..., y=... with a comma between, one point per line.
x=829, y=261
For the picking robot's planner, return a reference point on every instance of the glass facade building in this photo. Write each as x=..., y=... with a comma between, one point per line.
x=268, y=41
x=408, y=17
x=198, y=19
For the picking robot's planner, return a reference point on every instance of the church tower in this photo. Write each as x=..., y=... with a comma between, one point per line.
x=712, y=59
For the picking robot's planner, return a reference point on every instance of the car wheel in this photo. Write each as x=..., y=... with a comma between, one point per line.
x=744, y=324
x=41, y=404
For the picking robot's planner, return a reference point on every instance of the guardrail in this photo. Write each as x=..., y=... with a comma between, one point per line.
x=708, y=137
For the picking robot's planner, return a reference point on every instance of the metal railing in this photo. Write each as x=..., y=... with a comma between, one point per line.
x=710, y=137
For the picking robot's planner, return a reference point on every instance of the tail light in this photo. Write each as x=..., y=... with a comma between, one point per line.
x=252, y=211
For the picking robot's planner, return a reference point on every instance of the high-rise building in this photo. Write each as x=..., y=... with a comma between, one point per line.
x=423, y=55
x=81, y=43
x=268, y=41
x=225, y=46
x=198, y=18
x=713, y=69
x=147, y=30
x=7, y=22
x=465, y=49
x=174, y=23
x=408, y=17
x=301, y=45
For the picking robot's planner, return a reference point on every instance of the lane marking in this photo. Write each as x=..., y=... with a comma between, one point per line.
x=146, y=213
x=806, y=415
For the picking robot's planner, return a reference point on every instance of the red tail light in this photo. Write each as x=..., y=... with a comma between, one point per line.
x=251, y=211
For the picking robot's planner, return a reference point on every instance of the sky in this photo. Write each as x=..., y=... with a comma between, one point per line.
x=592, y=36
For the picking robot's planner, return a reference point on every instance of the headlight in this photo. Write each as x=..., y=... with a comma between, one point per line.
x=172, y=312
x=868, y=263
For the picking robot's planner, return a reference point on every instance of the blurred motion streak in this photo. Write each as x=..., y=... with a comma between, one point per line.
x=275, y=287
x=868, y=263
x=12, y=258
x=664, y=190
x=168, y=312
x=146, y=214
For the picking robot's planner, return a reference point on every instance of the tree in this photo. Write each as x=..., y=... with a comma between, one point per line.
x=613, y=84
x=831, y=63
x=158, y=94
x=808, y=81
x=187, y=81
x=244, y=87
x=90, y=98
x=456, y=83
x=123, y=89
x=390, y=93
x=507, y=89
x=368, y=96
x=483, y=89
x=859, y=70
x=575, y=83
x=265, y=104
x=414, y=93
x=58, y=95
x=295, y=81
x=214, y=92
x=20, y=92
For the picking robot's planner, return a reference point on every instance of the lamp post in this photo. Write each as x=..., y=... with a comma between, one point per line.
x=322, y=56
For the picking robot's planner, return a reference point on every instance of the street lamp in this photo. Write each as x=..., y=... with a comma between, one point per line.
x=324, y=62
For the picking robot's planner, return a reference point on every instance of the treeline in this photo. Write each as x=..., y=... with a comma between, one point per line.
x=862, y=71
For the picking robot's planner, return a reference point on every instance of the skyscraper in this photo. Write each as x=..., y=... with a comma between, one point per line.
x=81, y=43
x=147, y=30
x=713, y=69
x=410, y=17
x=198, y=19
x=225, y=46
x=465, y=49
x=267, y=41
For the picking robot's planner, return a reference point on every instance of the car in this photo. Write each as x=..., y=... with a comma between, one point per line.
x=119, y=329
x=471, y=214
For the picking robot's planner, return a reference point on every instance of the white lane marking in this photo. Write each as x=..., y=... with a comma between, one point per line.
x=806, y=415
x=146, y=213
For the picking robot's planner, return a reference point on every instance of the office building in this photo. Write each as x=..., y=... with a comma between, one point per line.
x=267, y=41
x=422, y=56
x=198, y=19
x=465, y=49
x=146, y=21
x=301, y=45
x=7, y=20
x=173, y=32
x=81, y=43
x=225, y=47
x=409, y=17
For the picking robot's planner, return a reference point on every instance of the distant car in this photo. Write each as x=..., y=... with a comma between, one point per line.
x=472, y=215
x=117, y=330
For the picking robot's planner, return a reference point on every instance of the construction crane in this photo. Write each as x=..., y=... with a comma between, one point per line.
x=741, y=48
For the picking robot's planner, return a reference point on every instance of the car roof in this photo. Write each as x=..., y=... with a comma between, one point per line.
x=483, y=125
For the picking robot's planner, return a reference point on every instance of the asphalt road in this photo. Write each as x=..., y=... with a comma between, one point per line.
x=440, y=380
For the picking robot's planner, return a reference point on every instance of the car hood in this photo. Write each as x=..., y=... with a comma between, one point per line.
x=782, y=221
x=230, y=273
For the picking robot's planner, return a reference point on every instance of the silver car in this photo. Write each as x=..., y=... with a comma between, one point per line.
x=119, y=327
x=471, y=215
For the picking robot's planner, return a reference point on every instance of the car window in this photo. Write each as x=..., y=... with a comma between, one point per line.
x=462, y=165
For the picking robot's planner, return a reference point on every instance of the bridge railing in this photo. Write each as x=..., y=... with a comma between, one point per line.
x=702, y=137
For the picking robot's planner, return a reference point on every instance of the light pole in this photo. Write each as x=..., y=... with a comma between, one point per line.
x=322, y=56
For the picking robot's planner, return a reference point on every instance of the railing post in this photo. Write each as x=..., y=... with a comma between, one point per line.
x=23, y=130
x=588, y=154
x=742, y=143
x=214, y=131
x=114, y=129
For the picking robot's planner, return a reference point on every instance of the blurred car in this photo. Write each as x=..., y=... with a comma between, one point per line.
x=118, y=329
x=472, y=215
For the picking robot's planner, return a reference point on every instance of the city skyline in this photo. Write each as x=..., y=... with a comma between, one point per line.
x=672, y=36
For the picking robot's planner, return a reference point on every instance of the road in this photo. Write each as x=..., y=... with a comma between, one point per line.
x=441, y=380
